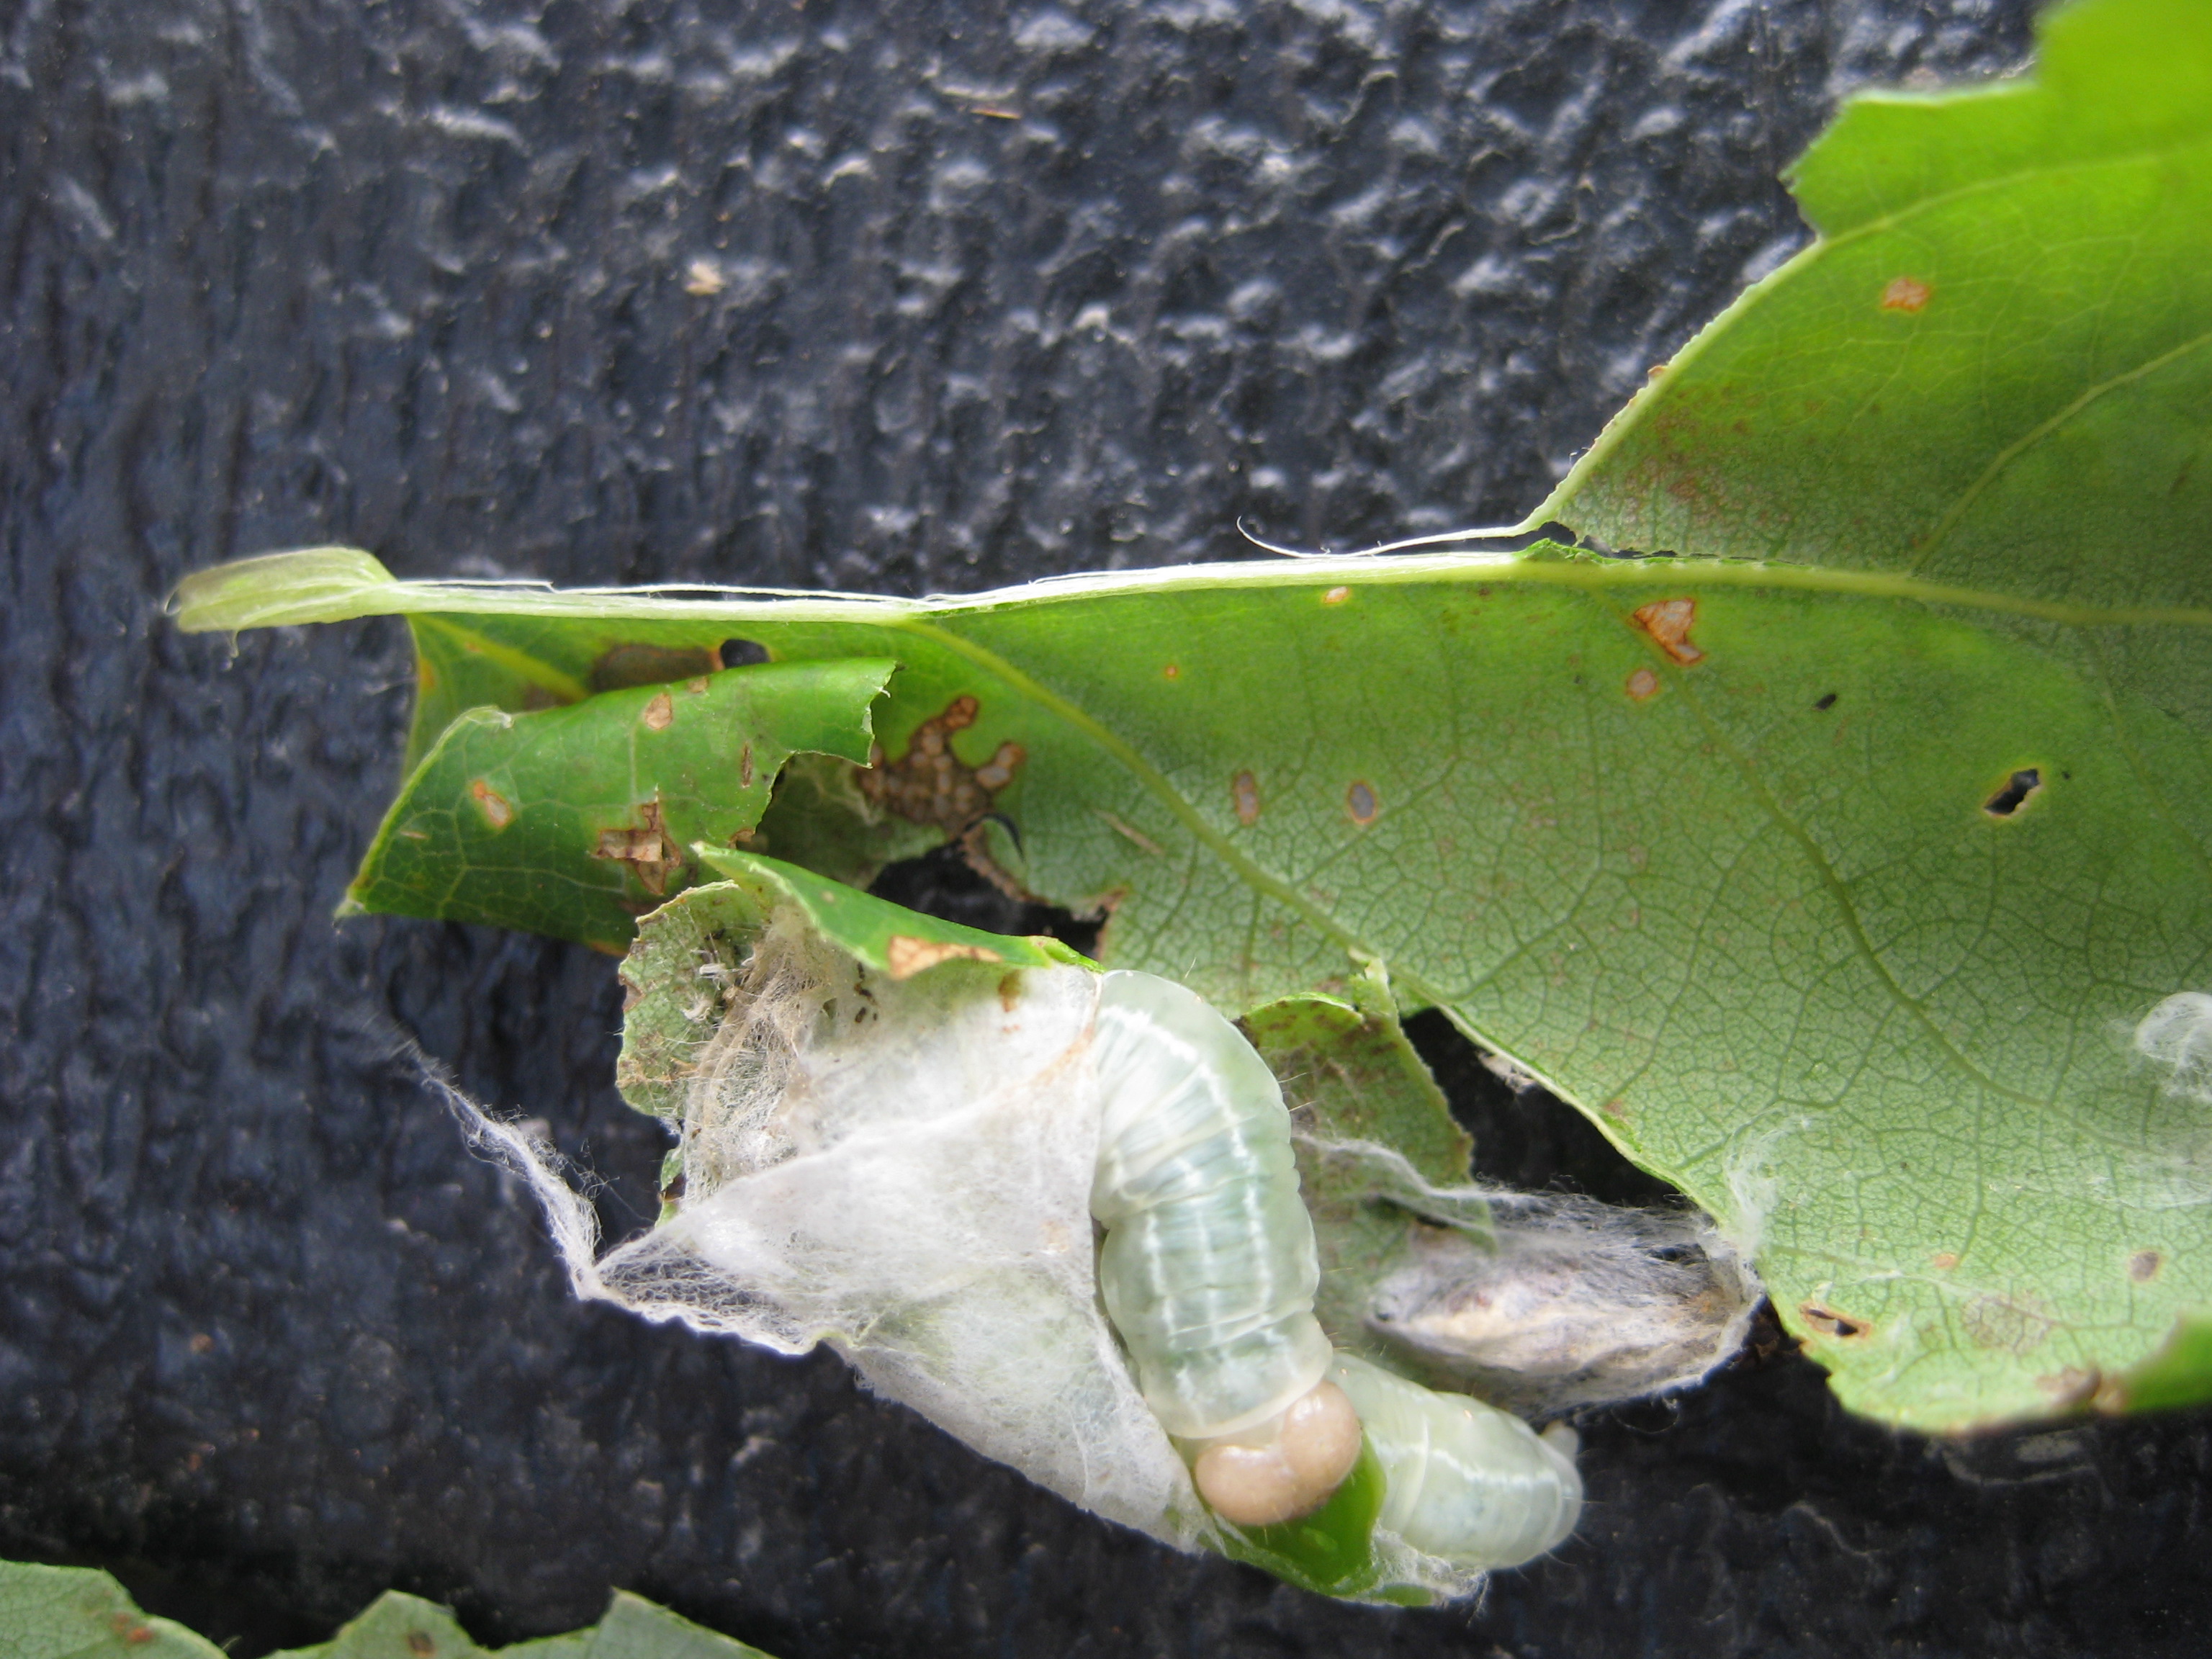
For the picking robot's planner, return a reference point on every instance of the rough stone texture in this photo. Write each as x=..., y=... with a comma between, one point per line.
x=992, y=294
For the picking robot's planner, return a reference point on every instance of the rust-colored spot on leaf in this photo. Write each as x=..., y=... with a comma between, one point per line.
x=909, y=956
x=1244, y=790
x=1336, y=596
x=1010, y=991
x=2143, y=1266
x=498, y=811
x=126, y=1626
x=930, y=784
x=1829, y=1322
x=420, y=1643
x=1643, y=685
x=1172, y=672
x=1943, y=1260
x=1906, y=294
x=1669, y=622
x=426, y=676
x=1616, y=1108
x=646, y=847
x=658, y=712
x=1360, y=801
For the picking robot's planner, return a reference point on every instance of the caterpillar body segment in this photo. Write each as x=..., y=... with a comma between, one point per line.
x=1209, y=1268
x=1464, y=1480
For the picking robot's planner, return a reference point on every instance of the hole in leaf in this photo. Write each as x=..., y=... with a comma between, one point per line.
x=2009, y=800
x=740, y=653
x=1524, y=1135
x=1831, y=1324
x=942, y=883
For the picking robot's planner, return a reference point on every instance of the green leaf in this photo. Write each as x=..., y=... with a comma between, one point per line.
x=574, y=820
x=1992, y=371
x=1831, y=887
x=2179, y=1373
x=76, y=1613
x=401, y=1626
x=1332, y=1550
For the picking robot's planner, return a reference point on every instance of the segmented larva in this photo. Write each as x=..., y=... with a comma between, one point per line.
x=1209, y=1272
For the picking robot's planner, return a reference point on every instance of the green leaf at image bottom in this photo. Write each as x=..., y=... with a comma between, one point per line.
x=575, y=821
x=79, y=1613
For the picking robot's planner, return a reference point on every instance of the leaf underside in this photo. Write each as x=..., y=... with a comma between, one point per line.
x=1831, y=887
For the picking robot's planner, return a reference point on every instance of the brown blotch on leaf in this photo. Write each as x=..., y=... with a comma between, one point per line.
x=1244, y=791
x=2006, y=1323
x=1172, y=672
x=1829, y=1322
x=1943, y=1260
x=1643, y=685
x=1615, y=1109
x=2078, y=1385
x=745, y=767
x=658, y=712
x=2143, y=1266
x=908, y=956
x=498, y=811
x=1669, y=622
x=646, y=847
x=929, y=784
x=1336, y=596
x=1906, y=294
x=420, y=1643
x=1010, y=991
x=1360, y=801
x=624, y=665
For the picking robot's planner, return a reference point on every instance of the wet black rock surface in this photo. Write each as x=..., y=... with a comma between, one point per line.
x=885, y=298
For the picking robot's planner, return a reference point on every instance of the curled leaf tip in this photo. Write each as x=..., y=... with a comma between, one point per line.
x=314, y=584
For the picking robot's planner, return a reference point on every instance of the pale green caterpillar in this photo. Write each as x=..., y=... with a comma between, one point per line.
x=1209, y=1272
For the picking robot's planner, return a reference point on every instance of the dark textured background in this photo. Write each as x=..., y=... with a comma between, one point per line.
x=1000, y=293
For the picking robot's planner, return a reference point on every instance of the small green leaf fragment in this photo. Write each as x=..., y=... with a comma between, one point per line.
x=886, y=936
x=79, y=1613
x=2179, y=1373
x=574, y=820
x=1330, y=1551
x=397, y=1626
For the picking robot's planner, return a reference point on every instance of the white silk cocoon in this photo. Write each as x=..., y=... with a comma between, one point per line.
x=905, y=1170
x=902, y=1170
